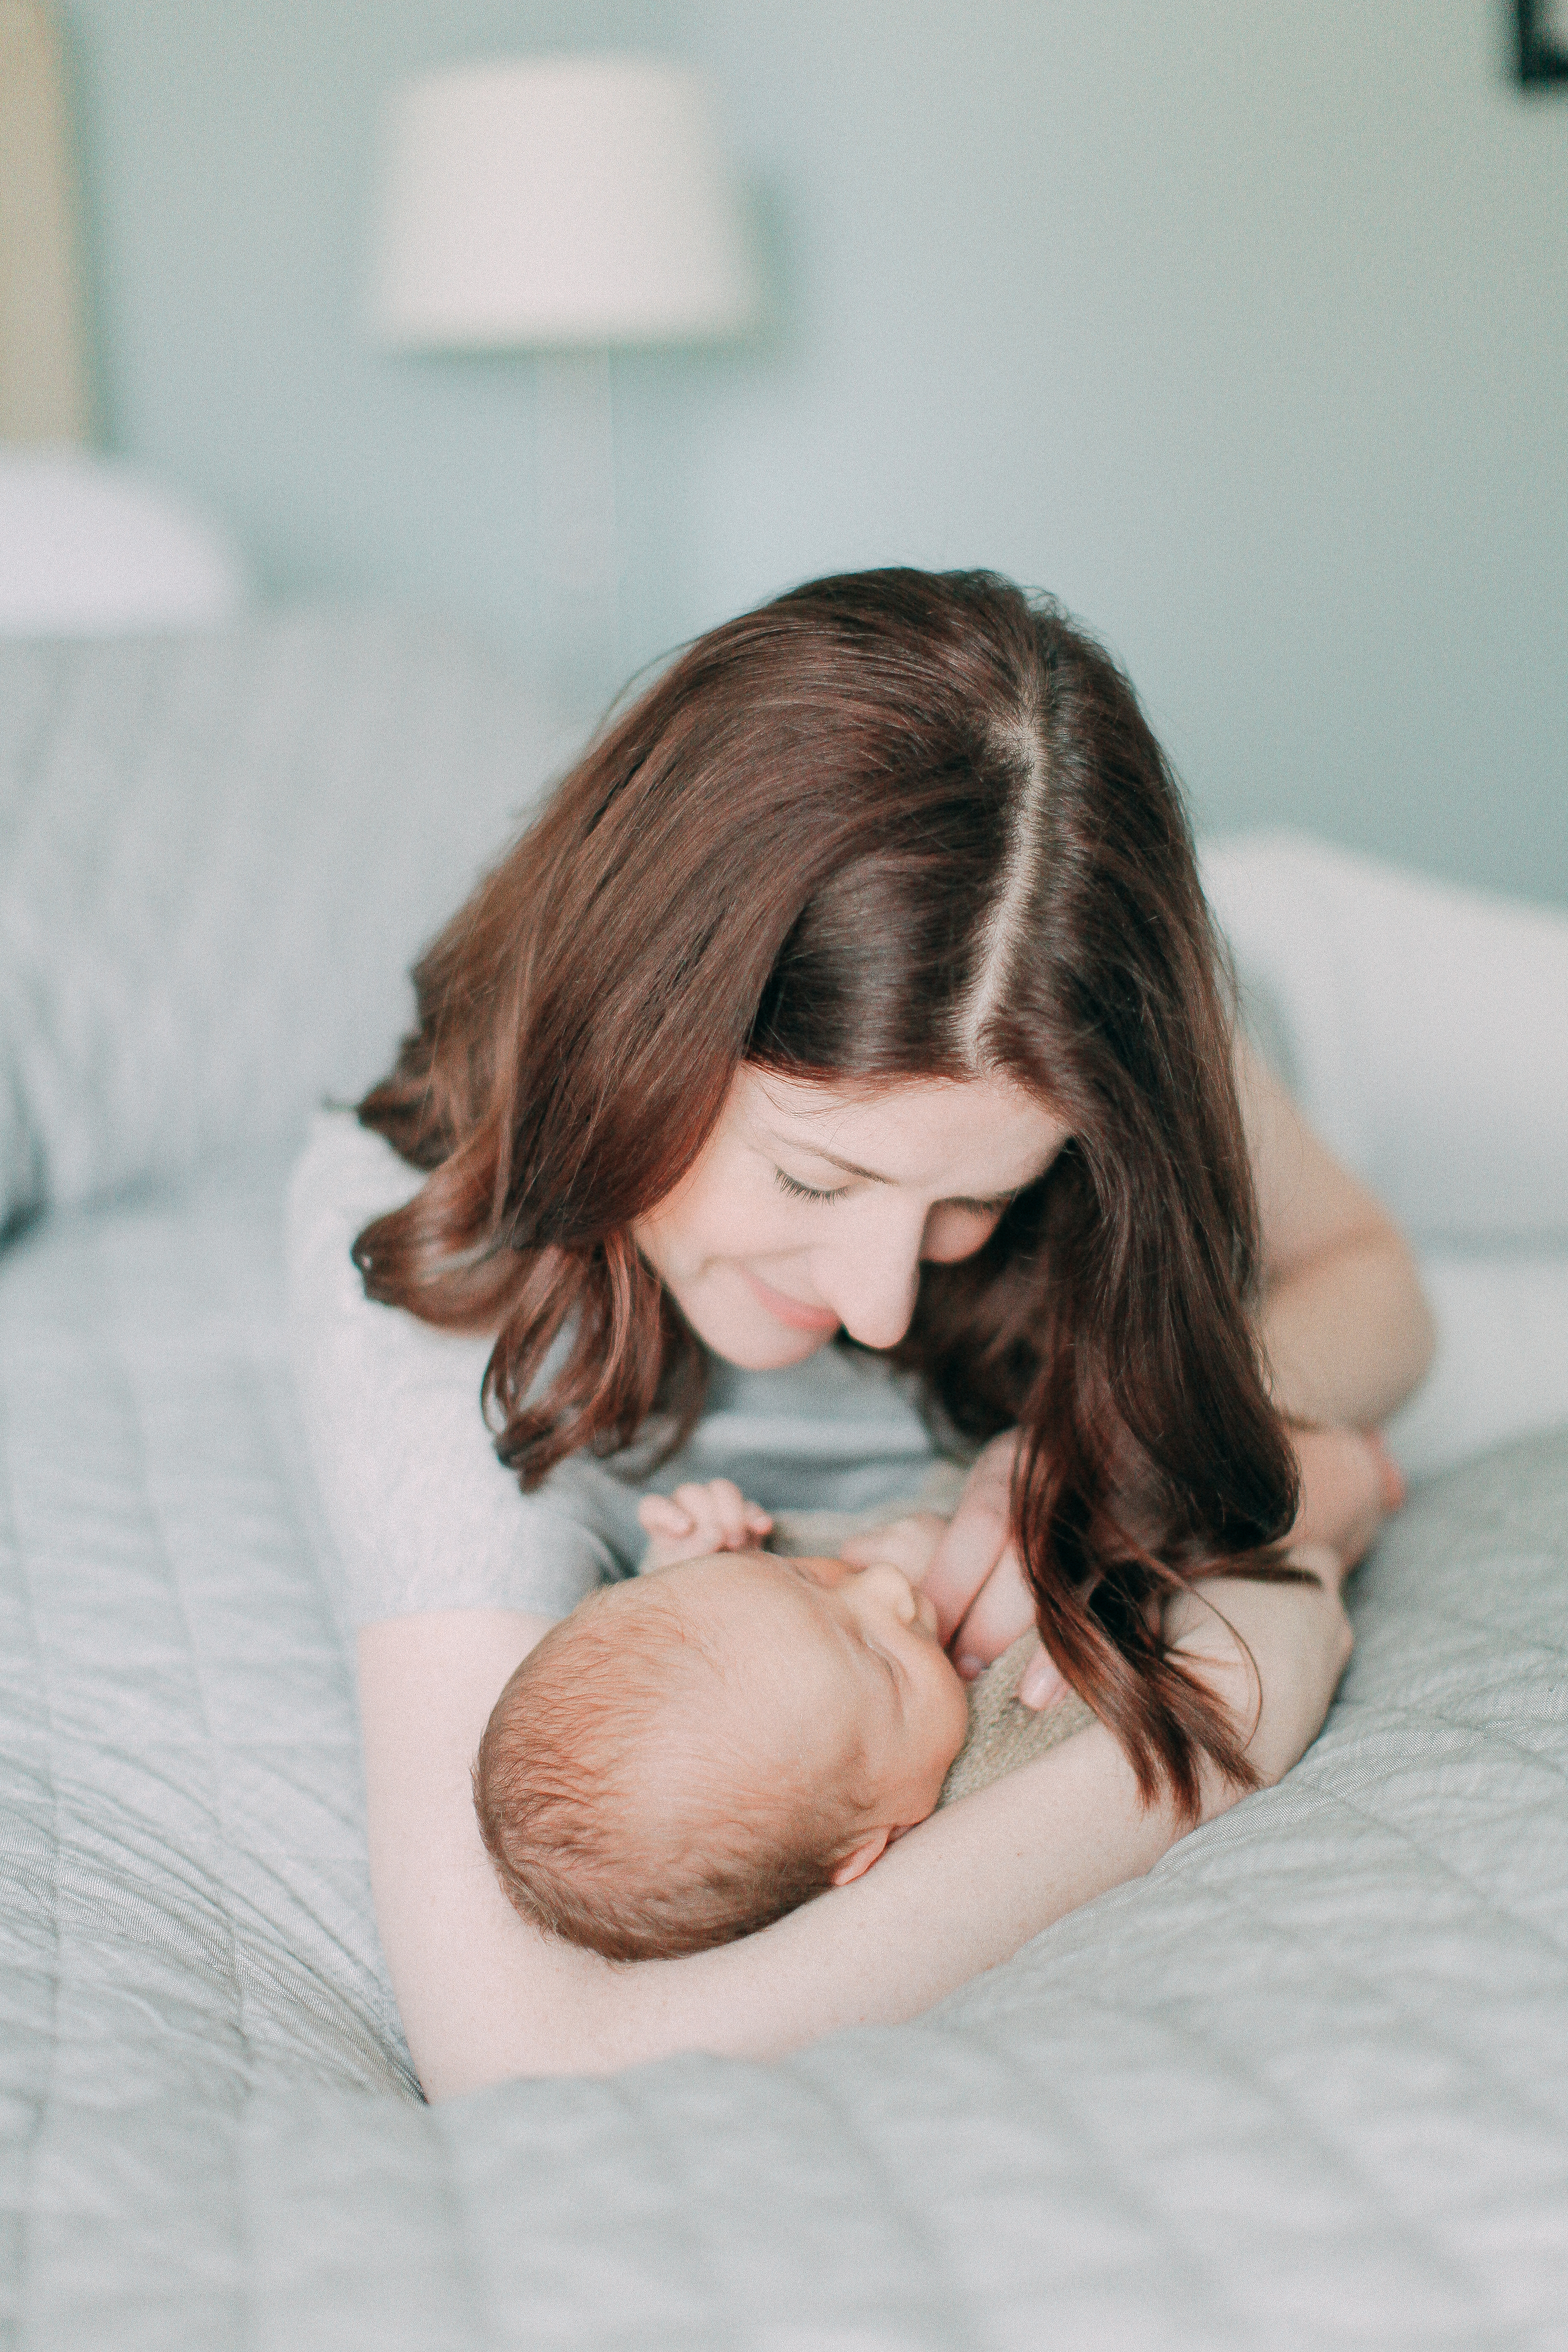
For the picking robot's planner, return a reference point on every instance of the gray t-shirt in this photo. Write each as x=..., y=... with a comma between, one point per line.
x=423, y=1515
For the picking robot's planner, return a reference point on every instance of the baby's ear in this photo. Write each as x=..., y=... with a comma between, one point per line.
x=856, y=1864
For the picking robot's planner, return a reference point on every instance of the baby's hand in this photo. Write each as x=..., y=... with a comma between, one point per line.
x=696, y=1521
x=908, y=1544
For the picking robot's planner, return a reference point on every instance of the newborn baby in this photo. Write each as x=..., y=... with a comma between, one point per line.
x=695, y=1752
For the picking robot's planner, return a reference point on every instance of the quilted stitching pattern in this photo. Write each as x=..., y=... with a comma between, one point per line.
x=206, y=915
x=1307, y=2086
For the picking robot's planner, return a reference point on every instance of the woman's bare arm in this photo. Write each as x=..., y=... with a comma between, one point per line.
x=1348, y=1332
x=484, y=1997
x=1348, y=1335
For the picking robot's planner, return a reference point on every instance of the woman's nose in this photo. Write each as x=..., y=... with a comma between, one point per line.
x=872, y=1290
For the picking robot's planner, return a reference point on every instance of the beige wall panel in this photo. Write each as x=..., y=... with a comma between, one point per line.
x=43, y=380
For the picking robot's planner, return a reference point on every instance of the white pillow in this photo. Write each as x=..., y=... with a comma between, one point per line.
x=219, y=853
x=89, y=547
x=1501, y=1365
x=1422, y=1028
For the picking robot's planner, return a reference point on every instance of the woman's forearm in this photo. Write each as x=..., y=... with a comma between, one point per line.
x=484, y=1997
x=956, y=1896
x=972, y=1885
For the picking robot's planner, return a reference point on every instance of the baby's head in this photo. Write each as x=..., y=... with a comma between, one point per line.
x=690, y=1755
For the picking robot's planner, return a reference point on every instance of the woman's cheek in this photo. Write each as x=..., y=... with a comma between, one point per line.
x=709, y=1216
x=954, y=1233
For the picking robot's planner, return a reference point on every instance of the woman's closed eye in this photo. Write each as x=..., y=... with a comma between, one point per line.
x=799, y=1191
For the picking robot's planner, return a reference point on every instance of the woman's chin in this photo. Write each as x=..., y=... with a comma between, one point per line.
x=764, y=1352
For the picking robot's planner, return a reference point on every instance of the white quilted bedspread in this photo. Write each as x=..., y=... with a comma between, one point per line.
x=1307, y=2086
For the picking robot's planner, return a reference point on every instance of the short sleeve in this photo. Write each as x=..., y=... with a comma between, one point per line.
x=423, y=1515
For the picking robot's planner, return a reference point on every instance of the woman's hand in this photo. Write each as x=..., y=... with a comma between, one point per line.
x=1349, y=1487
x=976, y=1580
x=1272, y=1654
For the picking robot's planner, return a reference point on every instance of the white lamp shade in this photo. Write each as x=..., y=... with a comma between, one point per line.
x=556, y=201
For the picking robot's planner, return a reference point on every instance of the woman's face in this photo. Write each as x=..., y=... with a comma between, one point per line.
x=811, y=1207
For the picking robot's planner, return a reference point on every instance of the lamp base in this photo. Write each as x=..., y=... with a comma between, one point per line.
x=578, y=549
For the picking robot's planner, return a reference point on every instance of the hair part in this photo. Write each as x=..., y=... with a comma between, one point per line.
x=619, y=1809
x=999, y=939
x=976, y=859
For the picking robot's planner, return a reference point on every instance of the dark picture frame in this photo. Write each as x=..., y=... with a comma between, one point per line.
x=1542, y=55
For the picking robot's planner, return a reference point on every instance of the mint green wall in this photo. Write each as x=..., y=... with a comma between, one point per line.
x=1245, y=329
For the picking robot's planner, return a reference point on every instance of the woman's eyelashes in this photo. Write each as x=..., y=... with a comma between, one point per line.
x=994, y=1207
x=799, y=1191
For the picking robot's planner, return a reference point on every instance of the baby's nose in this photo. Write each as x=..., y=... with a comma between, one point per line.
x=890, y=1586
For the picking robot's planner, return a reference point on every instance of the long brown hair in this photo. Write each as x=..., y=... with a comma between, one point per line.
x=892, y=824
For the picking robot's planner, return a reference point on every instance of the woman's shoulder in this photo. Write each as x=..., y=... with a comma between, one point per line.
x=423, y=1514
x=345, y=1177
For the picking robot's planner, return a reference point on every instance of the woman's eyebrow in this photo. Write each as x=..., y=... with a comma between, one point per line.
x=850, y=1167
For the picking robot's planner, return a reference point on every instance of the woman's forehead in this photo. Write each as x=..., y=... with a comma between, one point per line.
x=971, y=1136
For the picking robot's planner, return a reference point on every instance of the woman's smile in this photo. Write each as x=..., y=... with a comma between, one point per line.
x=794, y=1312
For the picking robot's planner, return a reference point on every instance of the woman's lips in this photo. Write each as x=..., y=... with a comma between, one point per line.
x=793, y=1311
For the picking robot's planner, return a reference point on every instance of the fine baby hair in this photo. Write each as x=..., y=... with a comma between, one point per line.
x=692, y=1754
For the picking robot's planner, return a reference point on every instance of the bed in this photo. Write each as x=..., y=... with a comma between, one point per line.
x=1306, y=2084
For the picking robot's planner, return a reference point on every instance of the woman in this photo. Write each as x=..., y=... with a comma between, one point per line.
x=842, y=1057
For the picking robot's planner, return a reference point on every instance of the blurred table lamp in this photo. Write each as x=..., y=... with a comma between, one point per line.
x=563, y=204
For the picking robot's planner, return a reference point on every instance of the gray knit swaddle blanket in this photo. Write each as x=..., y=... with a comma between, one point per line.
x=1001, y=1735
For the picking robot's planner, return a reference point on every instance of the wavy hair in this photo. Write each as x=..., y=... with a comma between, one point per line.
x=893, y=824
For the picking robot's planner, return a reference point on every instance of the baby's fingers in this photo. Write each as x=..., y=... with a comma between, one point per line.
x=722, y=1515
x=661, y=1515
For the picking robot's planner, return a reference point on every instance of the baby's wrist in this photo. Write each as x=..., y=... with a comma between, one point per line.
x=671, y=1553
